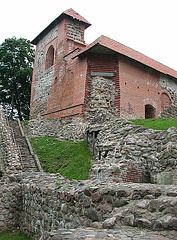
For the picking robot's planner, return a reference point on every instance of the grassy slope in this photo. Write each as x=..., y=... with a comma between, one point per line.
x=156, y=123
x=70, y=159
x=9, y=235
x=73, y=160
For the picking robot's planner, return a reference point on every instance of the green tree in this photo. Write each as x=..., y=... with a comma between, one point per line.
x=16, y=64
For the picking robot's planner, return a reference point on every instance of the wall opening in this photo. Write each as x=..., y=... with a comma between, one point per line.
x=165, y=101
x=49, y=57
x=150, y=111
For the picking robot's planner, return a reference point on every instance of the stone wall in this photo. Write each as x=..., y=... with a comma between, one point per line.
x=128, y=153
x=71, y=129
x=122, y=233
x=42, y=78
x=102, y=85
x=124, y=152
x=102, y=96
x=117, y=195
x=10, y=205
x=50, y=202
x=75, y=31
x=10, y=161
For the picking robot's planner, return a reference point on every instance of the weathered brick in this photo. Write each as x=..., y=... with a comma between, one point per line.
x=142, y=87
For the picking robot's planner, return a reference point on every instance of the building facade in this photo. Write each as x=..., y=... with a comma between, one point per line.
x=72, y=79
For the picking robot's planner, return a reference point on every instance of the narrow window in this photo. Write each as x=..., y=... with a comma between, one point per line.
x=49, y=57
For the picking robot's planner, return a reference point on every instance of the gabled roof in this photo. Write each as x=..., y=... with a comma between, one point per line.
x=104, y=44
x=70, y=13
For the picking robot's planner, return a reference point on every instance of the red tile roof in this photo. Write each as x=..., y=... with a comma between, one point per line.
x=70, y=13
x=129, y=52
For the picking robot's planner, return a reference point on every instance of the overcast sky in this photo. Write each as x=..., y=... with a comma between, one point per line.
x=148, y=26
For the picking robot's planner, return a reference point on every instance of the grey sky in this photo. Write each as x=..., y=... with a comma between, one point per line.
x=148, y=26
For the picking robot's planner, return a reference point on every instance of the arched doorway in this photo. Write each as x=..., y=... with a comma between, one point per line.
x=150, y=111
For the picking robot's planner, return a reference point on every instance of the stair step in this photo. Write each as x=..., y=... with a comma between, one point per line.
x=28, y=161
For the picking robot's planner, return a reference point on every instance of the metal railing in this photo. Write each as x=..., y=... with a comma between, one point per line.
x=30, y=147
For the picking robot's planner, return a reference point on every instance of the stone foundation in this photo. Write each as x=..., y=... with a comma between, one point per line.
x=10, y=161
x=46, y=202
x=128, y=153
x=123, y=233
x=63, y=129
x=10, y=205
x=127, y=156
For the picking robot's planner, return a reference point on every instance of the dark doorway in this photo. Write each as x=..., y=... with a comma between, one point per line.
x=149, y=111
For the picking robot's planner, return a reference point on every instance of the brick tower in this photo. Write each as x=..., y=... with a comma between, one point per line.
x=52, y=83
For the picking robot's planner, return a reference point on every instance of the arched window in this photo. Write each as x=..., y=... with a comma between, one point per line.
x=165, y=101
x=150, y=111
x=49, y=57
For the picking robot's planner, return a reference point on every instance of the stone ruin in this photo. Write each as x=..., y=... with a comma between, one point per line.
x=129, y=153
x=131, y=193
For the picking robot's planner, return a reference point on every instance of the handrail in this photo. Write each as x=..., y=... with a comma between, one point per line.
x=20, y=126
x=30, y=147
x=34, y=155
x=7, y=128
x=2, y=169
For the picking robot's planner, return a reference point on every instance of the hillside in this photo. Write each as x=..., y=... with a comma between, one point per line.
x=156, y=123
x=70, y=159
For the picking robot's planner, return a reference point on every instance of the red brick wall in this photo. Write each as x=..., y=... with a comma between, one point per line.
x=139, y=85
x=64, y=89
x=67, y=95
x=65, y=85
x=130, y=172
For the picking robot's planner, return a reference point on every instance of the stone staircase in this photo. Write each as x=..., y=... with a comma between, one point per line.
x=29, y=160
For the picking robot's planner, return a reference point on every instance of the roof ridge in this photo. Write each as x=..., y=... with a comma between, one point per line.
x=75, y=15
x=131, y=53
x=137, y=52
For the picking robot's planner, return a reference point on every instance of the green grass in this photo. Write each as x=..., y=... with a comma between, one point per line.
x=73, y=160
x=156, y=123
x=13, y=235
x=70, y=159
x=24, y=122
